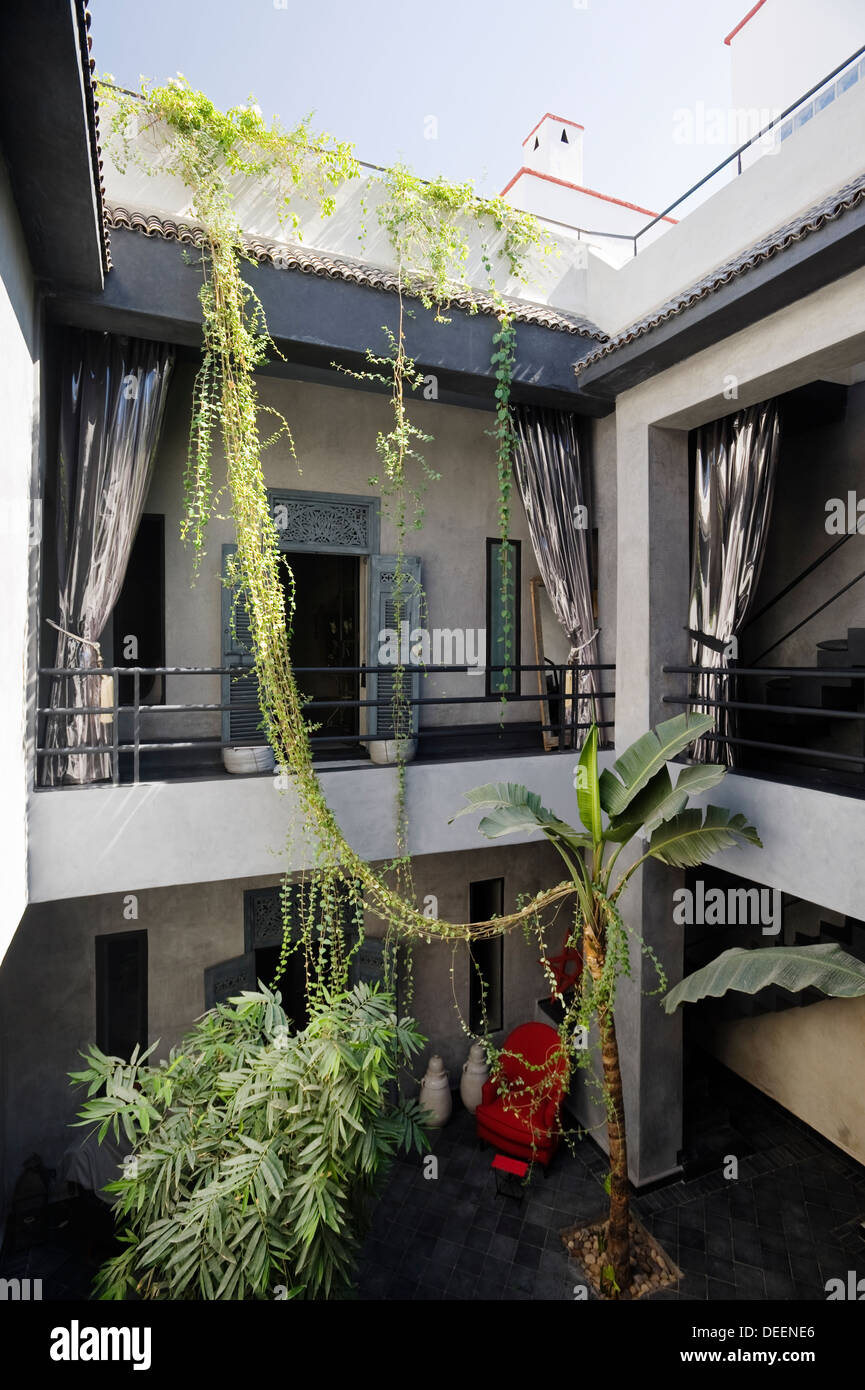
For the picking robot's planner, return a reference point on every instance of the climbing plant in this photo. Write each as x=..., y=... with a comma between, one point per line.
x=212, y=153
x=428, y=226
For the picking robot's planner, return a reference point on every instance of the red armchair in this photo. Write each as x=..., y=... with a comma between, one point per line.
x=519, y=1109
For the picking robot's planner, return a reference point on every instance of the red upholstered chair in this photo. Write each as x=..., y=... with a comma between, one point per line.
x=519, y=1110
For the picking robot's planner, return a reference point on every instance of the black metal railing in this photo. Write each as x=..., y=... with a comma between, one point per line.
x=810, y=721
x=753, y=140
x=562, y=703
x=736, y=157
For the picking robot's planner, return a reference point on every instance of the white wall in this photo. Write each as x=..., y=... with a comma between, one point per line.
x=122, y=839
x=19, y=385
x=356, y=204
x=818, y=160
x=789, y=45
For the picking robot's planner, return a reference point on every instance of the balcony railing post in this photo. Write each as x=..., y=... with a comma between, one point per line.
x=115, y=730
x=563, y=718
x=136, y=722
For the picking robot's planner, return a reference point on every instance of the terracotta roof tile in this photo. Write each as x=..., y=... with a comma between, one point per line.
x=850, y=196
x=334, y=267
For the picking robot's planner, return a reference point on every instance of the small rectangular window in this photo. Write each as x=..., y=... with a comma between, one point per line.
x=503, y=618
x=486, y=899
x=121, y=992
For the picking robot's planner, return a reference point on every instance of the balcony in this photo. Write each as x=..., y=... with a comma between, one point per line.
x=170, y=814
x=137, y=753
x=799, y=724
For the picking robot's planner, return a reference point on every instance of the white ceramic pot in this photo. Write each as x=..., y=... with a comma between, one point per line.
x=249, y=759
x=435, y=1094
x=476, y=1073
x=384, y=751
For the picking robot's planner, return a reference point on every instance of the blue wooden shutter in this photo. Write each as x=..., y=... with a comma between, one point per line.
x=382, y=614
x=241, y=723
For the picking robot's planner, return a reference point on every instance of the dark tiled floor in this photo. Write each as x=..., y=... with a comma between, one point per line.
x=790, y=1221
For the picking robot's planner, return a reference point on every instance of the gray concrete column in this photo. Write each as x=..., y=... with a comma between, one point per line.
x=653, y=580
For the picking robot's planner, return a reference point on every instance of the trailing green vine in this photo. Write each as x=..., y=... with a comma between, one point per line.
x=209, y=150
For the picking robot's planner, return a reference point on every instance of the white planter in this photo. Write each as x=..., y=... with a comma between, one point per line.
x=476, y=1073
x=248, y=759
x=385, y=751
x=435, y=1094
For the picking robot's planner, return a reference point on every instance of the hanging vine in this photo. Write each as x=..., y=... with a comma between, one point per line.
x=428, y=226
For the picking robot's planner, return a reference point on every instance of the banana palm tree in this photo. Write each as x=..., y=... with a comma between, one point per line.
x=638, y=795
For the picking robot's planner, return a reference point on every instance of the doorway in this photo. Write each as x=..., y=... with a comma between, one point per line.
x=326, y=632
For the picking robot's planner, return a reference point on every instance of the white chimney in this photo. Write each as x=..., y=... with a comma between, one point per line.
x=555, y=147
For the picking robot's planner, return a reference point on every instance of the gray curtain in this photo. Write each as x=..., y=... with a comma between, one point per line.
x=734, y=485
x=112, y=403
x=553, y=483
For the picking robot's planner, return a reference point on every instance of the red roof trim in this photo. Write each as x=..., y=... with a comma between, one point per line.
x=578, y=188
x=742, y=22
x=563, y=120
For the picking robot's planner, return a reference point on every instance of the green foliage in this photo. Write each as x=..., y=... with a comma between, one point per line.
x=639, y=792
x=825, y=967
x=649, y=755
x=502, y=362
x=428, y=223
x=255, y=1149
x=213, y=153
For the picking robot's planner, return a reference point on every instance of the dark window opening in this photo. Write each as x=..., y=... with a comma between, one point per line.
x=503, y=619
x=486, y=900
x=565, y=140
x=536, y=144
x=139, y=614
x=291, y=984
x=121, y=993
x=326, y=632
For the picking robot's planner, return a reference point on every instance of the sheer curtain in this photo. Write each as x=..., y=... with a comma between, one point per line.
x=733, y=489
x=113, y=399
x=553, y=484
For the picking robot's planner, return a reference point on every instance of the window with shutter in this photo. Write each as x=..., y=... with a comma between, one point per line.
x=228, y=978
x=503, y=619
x=241, y=724
x=385, y=618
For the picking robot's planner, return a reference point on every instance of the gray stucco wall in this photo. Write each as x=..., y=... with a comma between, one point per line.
x=19, y=412
x=334, y=430
x=812, y=839
x=48, y=992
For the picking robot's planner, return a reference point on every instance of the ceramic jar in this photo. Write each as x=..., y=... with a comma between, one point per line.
x=476, y=1073
x=435, y=1094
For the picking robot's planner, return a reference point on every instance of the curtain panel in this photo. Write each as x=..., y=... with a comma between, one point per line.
x=734, y=484
x=113, y=400
x=553, y=482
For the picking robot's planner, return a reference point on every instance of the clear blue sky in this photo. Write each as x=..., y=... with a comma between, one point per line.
x=486, y=69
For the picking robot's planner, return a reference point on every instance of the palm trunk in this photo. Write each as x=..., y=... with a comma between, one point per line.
x=618, y=1233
